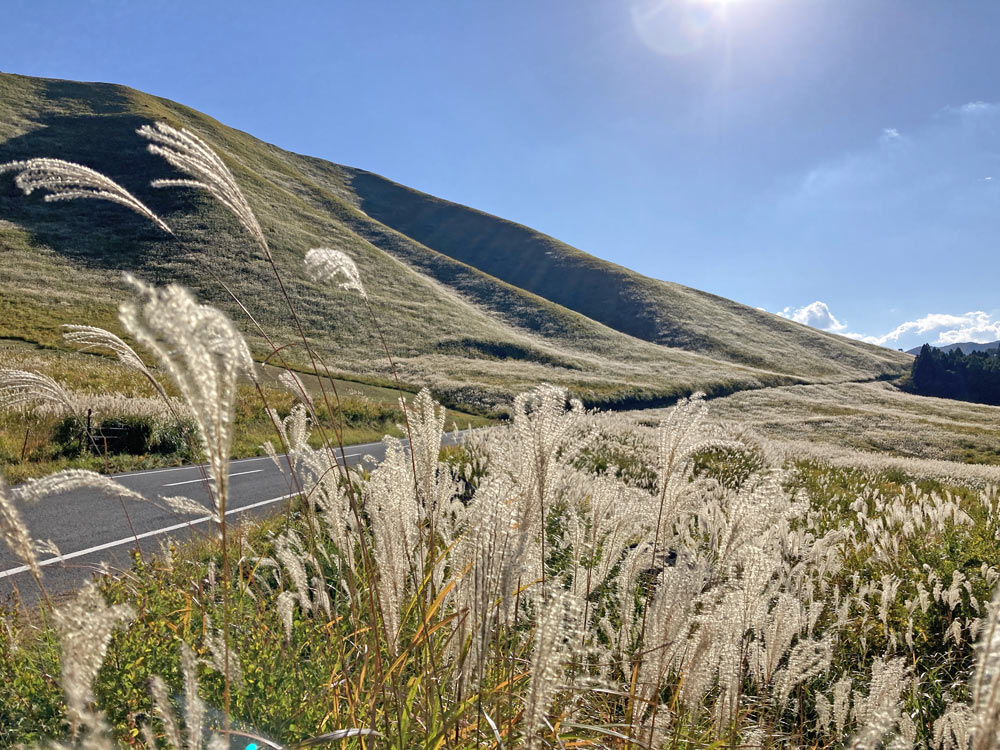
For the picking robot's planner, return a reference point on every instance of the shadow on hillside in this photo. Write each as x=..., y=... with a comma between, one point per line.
x=515, y=254
x=99, y=98
x=94, y=233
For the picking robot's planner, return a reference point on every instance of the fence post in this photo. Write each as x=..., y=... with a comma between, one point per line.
x=90, y=437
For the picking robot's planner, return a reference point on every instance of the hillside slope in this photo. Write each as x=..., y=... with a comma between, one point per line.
x=470, y=303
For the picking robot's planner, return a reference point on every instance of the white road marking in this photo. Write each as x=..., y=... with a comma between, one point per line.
x=192, y=481
x=143, y=535
x=183, y=468
x=234, y=461
x=175, y=527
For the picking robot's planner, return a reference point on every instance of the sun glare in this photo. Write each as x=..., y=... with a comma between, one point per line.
x=678, y=27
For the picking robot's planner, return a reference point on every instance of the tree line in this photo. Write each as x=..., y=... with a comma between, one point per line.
x=968, y=377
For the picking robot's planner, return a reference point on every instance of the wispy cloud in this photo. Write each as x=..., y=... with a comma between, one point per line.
x=816, y=314
x=956, y=145
x=976, y=109
x=912, y=192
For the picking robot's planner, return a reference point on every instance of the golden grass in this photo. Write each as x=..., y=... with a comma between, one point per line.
x=869, y=417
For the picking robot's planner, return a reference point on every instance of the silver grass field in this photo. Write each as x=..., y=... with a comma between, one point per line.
x=569, y=579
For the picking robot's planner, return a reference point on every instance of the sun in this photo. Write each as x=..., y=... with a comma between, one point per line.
x=678, y=27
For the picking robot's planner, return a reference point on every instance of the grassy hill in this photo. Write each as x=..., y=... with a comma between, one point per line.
x=474, y=306
x=652, y=310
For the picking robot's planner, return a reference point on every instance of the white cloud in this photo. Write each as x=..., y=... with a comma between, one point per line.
x=973, y=109
x=981, y=330
x=889, y=135
x=943, y=328
x=938, y=329
x=817, y=315
x=862, y=337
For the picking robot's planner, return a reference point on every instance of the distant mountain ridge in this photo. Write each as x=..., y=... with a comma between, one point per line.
x=473, y=305
x=964, y=347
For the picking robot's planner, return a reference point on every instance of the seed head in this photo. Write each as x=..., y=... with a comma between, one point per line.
x=66, y=181
x=325, y=264
x=191, y=155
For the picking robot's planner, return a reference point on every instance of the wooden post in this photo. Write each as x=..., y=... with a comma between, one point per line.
x=24, y=446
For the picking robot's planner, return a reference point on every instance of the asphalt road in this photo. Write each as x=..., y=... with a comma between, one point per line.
x=91, y=529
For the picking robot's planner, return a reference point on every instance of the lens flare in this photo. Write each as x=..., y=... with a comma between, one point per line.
x=677, y=27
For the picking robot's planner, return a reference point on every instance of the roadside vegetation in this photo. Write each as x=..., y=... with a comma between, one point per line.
x=131, y=428
x=569, y=579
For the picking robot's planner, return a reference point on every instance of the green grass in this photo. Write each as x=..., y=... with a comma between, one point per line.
x=945, y=668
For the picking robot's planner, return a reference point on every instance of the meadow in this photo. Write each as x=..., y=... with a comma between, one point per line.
x=570, y=578
x=874, y=417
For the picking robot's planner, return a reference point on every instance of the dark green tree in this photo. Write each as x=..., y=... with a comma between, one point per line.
x=967, y=377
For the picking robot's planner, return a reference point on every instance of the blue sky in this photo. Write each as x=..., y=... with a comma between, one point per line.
x=836, y=161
